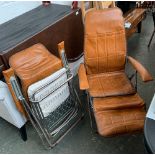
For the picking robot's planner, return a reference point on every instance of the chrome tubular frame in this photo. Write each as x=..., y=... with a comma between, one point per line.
x=49, y=133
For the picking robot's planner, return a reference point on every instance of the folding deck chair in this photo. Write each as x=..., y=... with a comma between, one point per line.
x=52, y=103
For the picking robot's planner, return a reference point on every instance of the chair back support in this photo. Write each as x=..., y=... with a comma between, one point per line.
x=105, y=42
x=34, y=64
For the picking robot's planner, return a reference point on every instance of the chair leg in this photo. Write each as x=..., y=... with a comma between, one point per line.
x=151, y=38
x=139, y=27
x=91, y=114
x=23, y=133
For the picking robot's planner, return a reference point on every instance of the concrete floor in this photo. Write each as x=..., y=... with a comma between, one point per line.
x=81, y=139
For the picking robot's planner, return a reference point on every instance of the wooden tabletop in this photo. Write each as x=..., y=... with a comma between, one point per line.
x=21, y=28
x=133, y=14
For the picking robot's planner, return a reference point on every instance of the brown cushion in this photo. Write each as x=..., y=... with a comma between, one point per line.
x=33, y=64
x=109, y=84
x=115, y=122
x=105, y=41
x=118, y=102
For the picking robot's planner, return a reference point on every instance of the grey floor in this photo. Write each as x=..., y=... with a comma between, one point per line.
x=81, y=139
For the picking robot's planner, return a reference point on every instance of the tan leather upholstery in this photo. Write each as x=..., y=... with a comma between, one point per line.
x=117, y=107
x=104, y=41
x=7, y=75
x=109, y=84
x=118, y=115
x=115, y=122
x=83, y=78
x=117, y=103
x=145, y=75
x=33, y=64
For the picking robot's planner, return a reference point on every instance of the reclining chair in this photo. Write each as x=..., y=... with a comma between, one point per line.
x=44, y=91
x=114, y=105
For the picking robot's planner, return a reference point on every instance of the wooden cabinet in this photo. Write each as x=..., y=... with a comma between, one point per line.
x=47, y=25
x=1, y=67
x=135, y=17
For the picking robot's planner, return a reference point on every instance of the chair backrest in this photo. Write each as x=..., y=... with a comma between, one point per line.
x=95, y=5
x=105, y=42
x=33, y=64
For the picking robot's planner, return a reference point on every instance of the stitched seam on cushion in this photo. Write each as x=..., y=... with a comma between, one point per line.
x=97, y=54
x=103, y=90
x=104, y=57
x=117, y=54
x=101, y=86
x=106, y=52
x=119, y=124
x=124, y=123
x=135, y=116
x=116, y=32
x=103, y=74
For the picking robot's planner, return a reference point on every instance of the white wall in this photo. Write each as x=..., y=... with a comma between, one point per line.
x=12, y=9
x=62, y=2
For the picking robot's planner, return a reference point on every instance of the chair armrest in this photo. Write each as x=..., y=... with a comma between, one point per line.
x=83, y=81
x=145, y=75
x=7, y=75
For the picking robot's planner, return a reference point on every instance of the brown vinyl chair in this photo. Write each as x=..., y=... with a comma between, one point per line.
x=113, y=102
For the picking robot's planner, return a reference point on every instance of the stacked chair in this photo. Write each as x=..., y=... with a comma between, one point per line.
x=41, y=85
x=114, y=105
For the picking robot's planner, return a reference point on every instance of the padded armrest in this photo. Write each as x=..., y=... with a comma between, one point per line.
x=83, y=81
x=61, y=47
x=145, y=75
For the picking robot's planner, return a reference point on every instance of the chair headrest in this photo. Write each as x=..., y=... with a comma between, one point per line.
x=102, y=21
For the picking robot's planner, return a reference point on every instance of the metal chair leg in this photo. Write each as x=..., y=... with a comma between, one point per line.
x=23, y=133
x=151, y=38
x=139, y=27
x=91, y=114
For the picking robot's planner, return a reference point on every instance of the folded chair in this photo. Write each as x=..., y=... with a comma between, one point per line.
x=42, y=86
x=114, y=105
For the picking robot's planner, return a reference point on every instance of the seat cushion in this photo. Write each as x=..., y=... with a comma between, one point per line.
x=34, y=64
x=109, y=84
x=115, y=122
x=118, y=102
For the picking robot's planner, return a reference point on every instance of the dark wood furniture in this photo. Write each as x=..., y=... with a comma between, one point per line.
x=48, y=25
x=125, y=6
x=135, y=17
x=23, y=133
x=149, y=135
x=1, y=67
